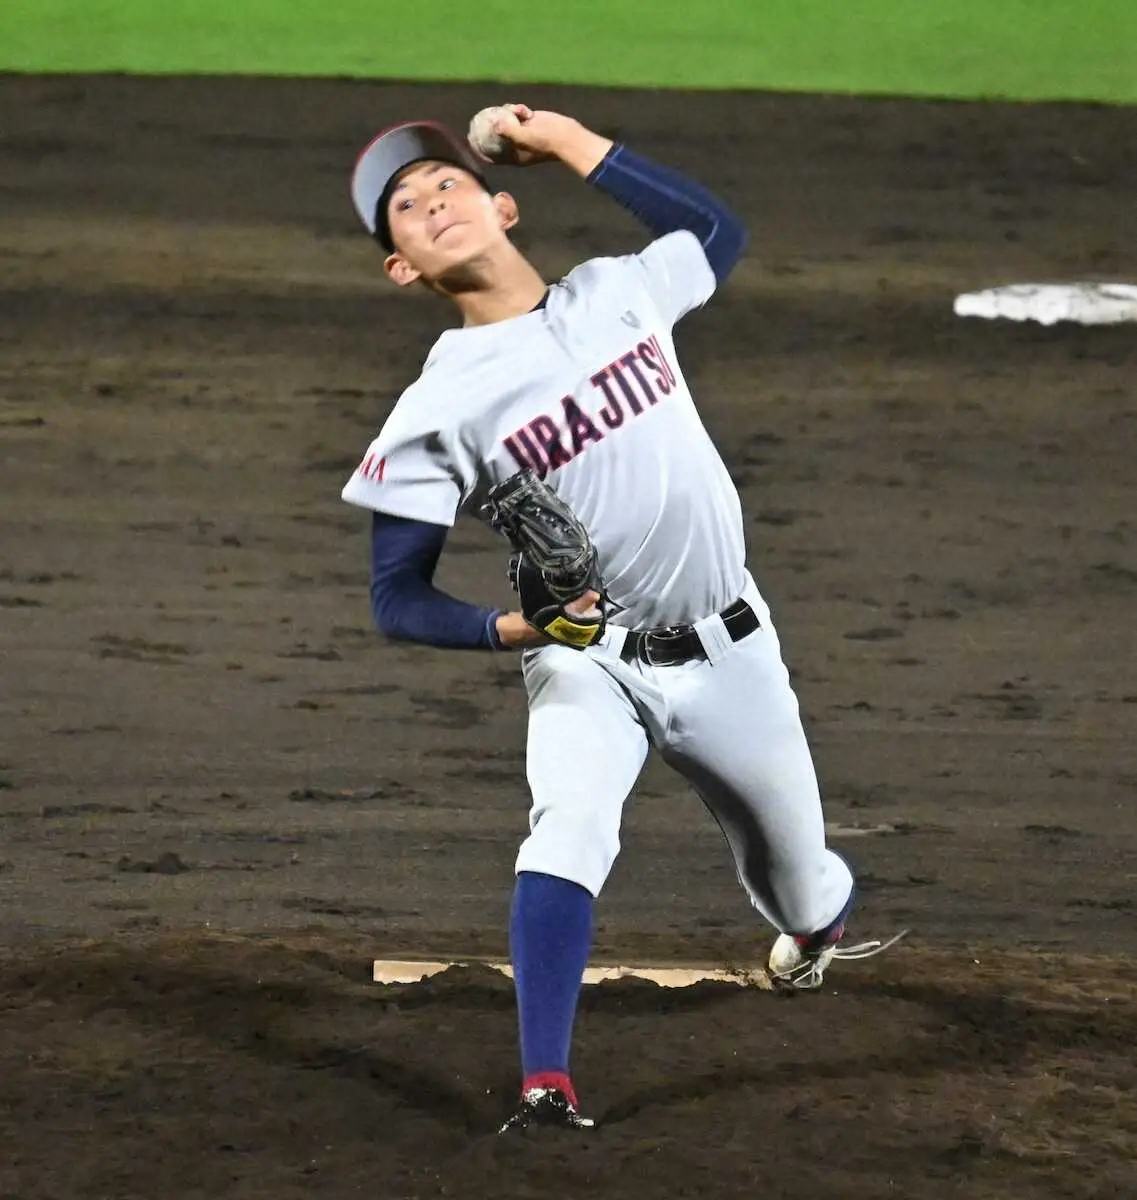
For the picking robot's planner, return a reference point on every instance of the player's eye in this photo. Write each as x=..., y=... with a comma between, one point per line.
x=446, y=184
x=404, y=204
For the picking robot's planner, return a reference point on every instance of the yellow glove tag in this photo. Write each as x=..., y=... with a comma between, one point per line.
x=564, y=630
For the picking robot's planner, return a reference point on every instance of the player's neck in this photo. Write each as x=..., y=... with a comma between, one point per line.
x=499, y=291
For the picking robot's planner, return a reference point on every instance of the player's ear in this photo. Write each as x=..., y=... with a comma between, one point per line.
x=400, y=271
x=507, y=211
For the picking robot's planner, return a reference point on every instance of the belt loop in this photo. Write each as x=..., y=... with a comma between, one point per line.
x=611, y=644
x=716, y=641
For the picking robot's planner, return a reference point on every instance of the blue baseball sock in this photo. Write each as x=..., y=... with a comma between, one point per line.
x=550, y=937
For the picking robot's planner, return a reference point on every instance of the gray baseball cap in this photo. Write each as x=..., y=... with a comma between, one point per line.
x=392, y=150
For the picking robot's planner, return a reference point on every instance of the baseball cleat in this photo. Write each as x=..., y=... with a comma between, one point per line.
x=547, y=1107
x=795, y=965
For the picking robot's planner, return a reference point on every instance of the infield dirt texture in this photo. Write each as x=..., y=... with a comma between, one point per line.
x=221, y=795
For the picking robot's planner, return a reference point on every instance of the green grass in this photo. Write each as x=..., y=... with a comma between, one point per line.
x=1015, y=49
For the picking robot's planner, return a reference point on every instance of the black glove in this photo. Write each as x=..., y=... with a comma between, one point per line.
x=554, y=560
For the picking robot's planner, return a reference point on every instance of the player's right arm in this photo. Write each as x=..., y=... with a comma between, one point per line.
x=664, y=200
x=668, y=202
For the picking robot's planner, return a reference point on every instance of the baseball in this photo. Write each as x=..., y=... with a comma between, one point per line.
x=483, y=138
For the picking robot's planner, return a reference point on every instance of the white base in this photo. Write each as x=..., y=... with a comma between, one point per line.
x=395, y=970
x=1049, y=303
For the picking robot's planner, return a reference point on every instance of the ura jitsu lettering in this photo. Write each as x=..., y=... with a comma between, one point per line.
x=629, y=386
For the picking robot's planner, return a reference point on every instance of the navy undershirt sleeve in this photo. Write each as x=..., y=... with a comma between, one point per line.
x=667, y=201
x=404, y=602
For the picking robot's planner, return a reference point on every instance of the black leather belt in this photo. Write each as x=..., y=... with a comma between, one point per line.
x=673, y=644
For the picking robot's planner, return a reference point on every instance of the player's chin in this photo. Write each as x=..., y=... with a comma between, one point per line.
x=458, y=263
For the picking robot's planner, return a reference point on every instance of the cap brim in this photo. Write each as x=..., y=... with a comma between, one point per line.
x=397, y=147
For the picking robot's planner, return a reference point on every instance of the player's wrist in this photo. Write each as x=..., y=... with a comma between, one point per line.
x=579, y=148
x=512, y=631
x=492, y=635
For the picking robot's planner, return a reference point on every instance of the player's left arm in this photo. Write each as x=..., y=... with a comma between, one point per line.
x=406, y=605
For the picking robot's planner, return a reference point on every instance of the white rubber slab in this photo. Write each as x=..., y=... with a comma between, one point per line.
x=395, y=970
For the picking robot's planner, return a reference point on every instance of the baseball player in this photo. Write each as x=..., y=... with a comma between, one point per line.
x=575, y=385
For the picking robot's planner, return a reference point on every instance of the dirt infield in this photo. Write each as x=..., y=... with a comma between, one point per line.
x=221, y=795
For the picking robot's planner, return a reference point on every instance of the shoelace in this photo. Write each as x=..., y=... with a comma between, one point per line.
x=867, y=949
x=811, y=972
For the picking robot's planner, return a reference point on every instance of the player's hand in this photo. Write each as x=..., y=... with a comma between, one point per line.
x=537, y=135
x=514, y=631
x=533, y=134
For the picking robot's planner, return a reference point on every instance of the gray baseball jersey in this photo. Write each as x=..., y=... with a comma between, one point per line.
x=587, y=391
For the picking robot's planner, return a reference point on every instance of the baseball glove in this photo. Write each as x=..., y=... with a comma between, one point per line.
x=554, y=560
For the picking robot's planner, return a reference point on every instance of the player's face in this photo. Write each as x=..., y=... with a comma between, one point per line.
x=441, y=219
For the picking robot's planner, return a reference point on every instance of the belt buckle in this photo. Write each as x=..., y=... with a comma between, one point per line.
x=667, y=631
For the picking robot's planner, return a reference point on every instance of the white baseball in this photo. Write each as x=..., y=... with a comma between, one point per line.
x=484, y=139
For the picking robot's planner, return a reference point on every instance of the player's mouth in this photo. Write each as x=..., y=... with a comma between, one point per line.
x=447, y=228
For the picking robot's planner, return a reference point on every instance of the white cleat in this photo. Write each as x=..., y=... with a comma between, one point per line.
x=792, y=966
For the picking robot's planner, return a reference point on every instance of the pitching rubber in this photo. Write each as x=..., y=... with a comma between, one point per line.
x=396, y=970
